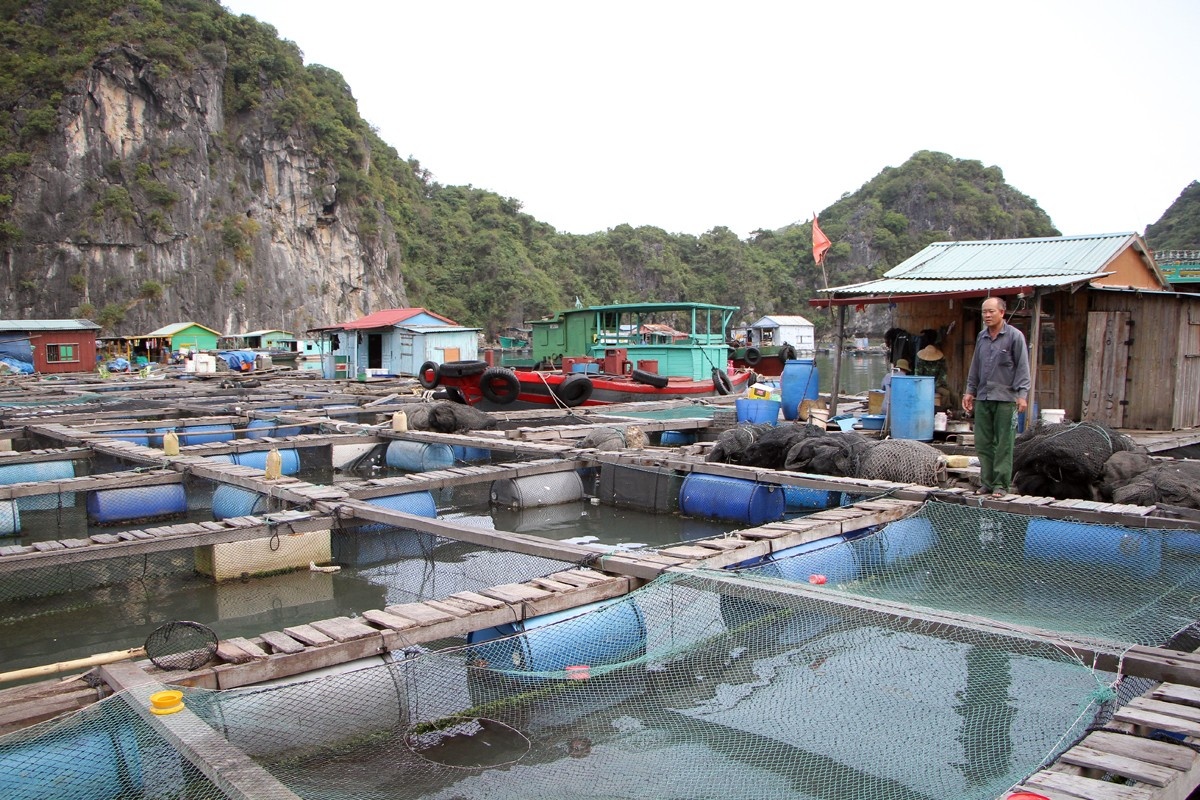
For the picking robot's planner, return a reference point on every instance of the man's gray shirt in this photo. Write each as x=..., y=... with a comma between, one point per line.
x=1000, y=367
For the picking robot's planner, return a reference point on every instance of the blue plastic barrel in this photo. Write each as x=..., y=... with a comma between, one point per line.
x=258, y=428
x=901, y=540
x=1129, y=552
x=108, y=506
x=289, y=460
x=713, y=496
x=799, y=382
x=593, y=635
x=39, y=472
x=419, y=456
x=471, y=455
x=233, y=501
x=799, y=498
x=205, y=434
x=911, y=407
x=10, y=518
x=675, y=438
x=1030, y=412
x=420, y=504
x=123, y=435
x=834, y=557
x=85, y=760
x=757, y=411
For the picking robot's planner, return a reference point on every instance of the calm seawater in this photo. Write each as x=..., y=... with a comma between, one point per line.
x=859, y=375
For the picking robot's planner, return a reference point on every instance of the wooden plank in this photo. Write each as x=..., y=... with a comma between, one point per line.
x=344, y=629
x=309, y=635
x=1175, y=693
x=1148, y=719
x=1086, y=757
x=419, y=613
x=514, y=592
x=1085, y=788
x=281, y=642
x=1152, y=751
x=551, y=586
x=473, y=598
x=449, y=608
x=1184, y=712
x=390, y=621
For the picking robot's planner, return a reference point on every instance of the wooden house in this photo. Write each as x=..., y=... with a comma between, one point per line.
x=51, y=345
x=395, y=341
x=157, y=345
x=1110, y=340
x=777, y=330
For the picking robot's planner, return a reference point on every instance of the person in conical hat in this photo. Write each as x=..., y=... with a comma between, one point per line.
x=931, y=361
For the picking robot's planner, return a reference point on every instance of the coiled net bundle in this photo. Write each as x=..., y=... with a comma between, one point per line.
x=838, y=454
x=904, y=461
x=1066, y=460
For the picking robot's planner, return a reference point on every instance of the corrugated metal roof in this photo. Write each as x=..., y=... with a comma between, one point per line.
x=436, y=328
x=174, y=328
x=944, y=286
x=1010, y=258
x=47, y=325
x=781, y=320
x=264, y=332
x=391, y=316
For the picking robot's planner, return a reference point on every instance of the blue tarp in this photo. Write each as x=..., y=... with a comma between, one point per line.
x=236, y=358
x=118, y=364
x=16, y=346
x=16, y=365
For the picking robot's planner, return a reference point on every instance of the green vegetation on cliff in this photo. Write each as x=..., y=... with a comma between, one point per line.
x=1179, y=228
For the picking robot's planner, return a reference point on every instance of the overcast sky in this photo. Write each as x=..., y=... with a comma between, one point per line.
x=690, y=115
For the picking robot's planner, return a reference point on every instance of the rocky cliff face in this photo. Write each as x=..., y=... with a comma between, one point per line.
x=150, y=207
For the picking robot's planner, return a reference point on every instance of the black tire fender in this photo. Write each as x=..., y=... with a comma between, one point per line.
x=574, y=391
x=752, y=356
x=462, y=369
x=649, y=378
x=787, y=353
x=721, y=381
x=429, y=376
x=500, y=386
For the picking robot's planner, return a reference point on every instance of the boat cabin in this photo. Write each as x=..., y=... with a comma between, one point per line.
x=675, y=339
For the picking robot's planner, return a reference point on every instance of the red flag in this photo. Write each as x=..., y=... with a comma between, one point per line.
x=820, y=242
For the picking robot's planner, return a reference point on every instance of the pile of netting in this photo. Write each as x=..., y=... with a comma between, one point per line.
x=1138, y=479
x=699, y=685
x=448, y=417
x=1066, y=460
x=802, y=447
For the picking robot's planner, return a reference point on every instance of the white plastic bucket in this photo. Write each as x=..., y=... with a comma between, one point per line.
x=1053, y=415
x=939, y=421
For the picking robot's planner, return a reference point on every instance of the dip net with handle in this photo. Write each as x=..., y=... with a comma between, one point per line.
x=931, y=658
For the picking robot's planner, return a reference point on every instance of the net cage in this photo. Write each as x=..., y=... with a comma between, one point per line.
x=706, y=684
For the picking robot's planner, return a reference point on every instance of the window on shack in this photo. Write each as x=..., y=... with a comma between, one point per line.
x=57, y=353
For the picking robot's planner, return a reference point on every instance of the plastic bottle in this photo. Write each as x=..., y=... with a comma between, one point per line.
x=399, y=422
x=274, y=466
x=170, y=443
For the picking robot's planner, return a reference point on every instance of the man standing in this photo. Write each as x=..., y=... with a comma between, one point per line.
x=999, y=380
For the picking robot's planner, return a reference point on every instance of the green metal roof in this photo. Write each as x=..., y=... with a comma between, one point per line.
x=1000, y=264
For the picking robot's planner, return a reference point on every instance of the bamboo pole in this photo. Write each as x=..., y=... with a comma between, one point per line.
x=78, y=663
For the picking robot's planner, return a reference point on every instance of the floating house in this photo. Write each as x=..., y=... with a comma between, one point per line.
x=395, y=341
x=781, y=329
x=49, y=345
x=157, y=345
x=1110, y=339
x=261, y=340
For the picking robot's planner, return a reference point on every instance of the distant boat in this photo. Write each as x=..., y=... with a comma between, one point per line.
x=606, y=354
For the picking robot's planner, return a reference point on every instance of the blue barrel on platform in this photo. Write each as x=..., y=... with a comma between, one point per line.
x=109, y=506
x=898, y=541
x=1130, y=552
x=834, y=557
x=713, y=496
x=471, y=455
x=757, y=411
x=10, y=518
x=233, y=501
x=676, y=438
x=798, y=382
x=800, y=498
x=593, y=635
x=129, y=435
x=911, y=407
x=86, y=760
x=420, y=504
x=419, y=456
x=38, y=472
x=258, y=428
x=289, y=460
x=205, y=434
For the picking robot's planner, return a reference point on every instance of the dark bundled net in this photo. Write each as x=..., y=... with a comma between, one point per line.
x=904, y=461
x=1174, y=484
x=772, y=448
x=615, y=439
x=839, y=454
x=447, y=417
x=732, y=444
x=1065, y=460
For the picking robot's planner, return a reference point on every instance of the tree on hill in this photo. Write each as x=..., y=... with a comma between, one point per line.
x=1179, y=226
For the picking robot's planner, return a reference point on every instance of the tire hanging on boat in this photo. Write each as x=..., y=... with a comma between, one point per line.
x=721, y=381
x=573, y=391
x=462, y=369
x=500, y=386
x=649, y=378
x=428, y=375
x=752, y=356
x=787, y=353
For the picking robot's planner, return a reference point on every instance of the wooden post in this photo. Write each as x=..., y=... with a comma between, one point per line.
x=1035, y=338
x=835, y=389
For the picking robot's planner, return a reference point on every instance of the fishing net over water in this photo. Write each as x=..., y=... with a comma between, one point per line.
x=820, y=673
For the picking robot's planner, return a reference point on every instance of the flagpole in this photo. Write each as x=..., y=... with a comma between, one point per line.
x=835, y=390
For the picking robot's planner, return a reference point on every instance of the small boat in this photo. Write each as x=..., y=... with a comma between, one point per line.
x=768, y=344
x=766, y=360
x=606, y=354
